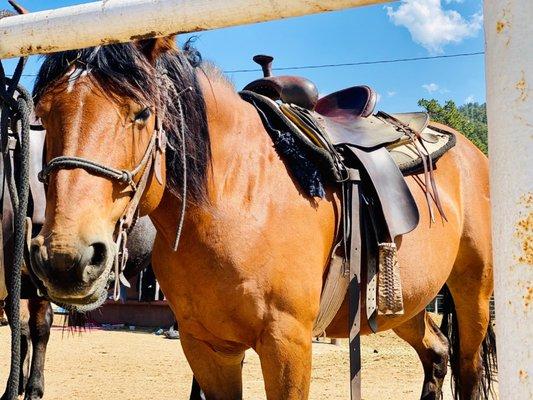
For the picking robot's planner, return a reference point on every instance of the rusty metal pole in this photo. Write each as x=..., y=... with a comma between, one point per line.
x=112, y=21
x=509, y=69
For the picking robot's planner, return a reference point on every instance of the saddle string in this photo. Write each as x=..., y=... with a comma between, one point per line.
x=432, y=180
x=430, y=189
x=427, y=186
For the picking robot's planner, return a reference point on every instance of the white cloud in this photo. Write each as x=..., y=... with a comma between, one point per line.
x=391, y=94
x=433, y=27
x=431, y=87
x=455, y=1
x=470, y=99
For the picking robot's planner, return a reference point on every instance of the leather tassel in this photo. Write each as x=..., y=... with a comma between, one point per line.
x=390, y=300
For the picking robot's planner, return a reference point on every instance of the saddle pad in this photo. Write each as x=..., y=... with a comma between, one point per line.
x=436, y=141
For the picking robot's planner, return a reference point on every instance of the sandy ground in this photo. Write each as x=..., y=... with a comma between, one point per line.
x=138, y=365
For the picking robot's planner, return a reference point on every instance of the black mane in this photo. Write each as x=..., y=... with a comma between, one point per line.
x=123, y=70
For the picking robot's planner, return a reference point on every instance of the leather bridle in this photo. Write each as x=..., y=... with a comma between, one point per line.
x=151, y=162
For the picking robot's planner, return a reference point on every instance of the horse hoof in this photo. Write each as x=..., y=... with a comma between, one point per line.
x=33, y=397
x=33, y=394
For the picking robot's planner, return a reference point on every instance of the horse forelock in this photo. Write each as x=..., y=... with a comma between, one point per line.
x=123, y=71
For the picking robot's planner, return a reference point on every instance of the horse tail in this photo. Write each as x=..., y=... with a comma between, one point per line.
x=489, y=361
x=450, y=328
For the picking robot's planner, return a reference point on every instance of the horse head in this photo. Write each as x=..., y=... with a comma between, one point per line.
x=107, y=112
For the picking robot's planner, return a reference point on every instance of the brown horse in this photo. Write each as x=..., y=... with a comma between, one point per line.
x=248, y=272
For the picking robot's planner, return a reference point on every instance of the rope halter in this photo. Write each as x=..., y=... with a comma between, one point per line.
x=155, y=149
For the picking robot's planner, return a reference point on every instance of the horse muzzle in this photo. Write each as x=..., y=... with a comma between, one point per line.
x=75, y=275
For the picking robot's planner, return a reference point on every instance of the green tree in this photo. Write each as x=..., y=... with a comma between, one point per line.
x=469, y=119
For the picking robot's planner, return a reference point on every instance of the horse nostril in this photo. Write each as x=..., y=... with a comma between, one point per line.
x=93, y=262
x=38, y=256
x=99, y=255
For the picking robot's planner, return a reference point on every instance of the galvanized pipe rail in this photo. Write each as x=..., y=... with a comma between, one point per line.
x=509, y=71
x=112, y=21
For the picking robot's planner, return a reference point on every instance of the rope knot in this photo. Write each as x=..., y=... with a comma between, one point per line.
x=42, y=176
x=127, y=177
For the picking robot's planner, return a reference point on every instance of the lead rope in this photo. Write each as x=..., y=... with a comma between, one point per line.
x=15, y=111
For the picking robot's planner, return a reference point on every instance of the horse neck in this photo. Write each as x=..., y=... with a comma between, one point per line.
x=239, y=143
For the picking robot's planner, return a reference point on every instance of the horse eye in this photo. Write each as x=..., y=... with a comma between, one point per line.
x=143, y=115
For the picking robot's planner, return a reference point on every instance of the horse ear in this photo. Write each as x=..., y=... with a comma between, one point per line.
x=153, y=48
x=18, y=8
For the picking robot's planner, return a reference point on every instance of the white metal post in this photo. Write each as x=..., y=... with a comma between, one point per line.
x=112, y=21
x=509, y=67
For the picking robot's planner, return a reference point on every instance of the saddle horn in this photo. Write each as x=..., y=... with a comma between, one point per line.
x=18, y=8
x=288, y=89
x=266, y=64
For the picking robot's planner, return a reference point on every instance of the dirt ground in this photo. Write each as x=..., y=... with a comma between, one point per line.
x=136, y=365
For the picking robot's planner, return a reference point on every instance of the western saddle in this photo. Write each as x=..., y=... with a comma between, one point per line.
x=366, y=156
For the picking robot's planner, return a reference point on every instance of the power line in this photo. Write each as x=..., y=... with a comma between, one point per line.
x=349, y=64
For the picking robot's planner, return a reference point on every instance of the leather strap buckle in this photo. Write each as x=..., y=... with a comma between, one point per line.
x=353, y=175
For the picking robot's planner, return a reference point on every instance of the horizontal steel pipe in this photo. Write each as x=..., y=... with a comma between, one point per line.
x=114, y=21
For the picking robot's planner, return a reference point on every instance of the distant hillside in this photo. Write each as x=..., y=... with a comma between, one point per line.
x=469, y=119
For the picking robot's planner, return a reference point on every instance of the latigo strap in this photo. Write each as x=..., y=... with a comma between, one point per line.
x=353, y=243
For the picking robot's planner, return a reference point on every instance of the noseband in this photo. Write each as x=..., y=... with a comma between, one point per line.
x=150, y=162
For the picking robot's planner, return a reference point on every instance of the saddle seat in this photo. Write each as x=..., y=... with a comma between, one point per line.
x=356, y=101
x=347, y=118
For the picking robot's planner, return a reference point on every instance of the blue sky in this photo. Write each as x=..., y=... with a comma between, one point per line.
x=405, y=29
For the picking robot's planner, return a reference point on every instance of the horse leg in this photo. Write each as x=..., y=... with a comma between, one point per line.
x=471, y=366
x=24, y=345
x=218, y=372
x=284, y=349
x=196, y=391
x=468, y=329
x=41, y=317
x=423, y=334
